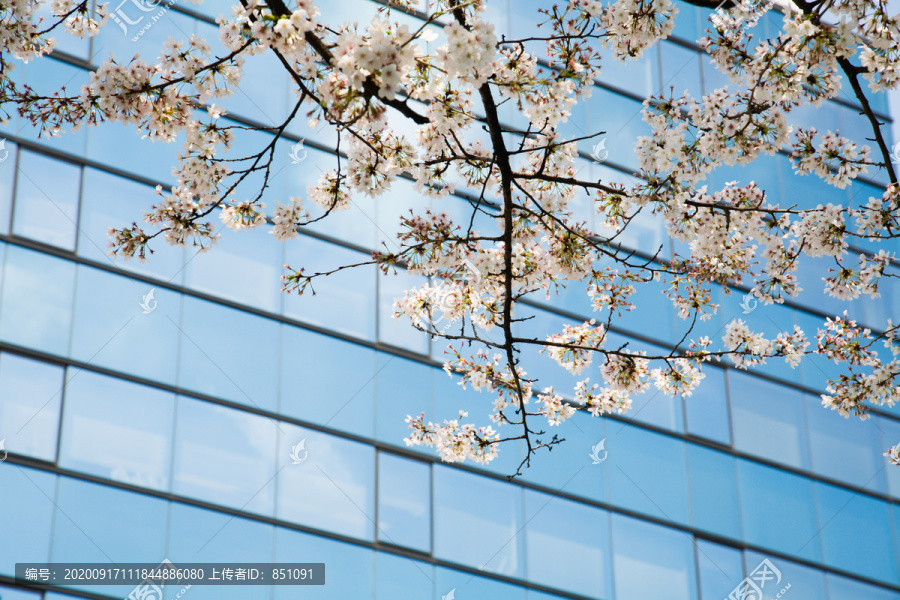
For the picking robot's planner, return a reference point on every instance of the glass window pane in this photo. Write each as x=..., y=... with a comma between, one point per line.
x=363, y=10
x=243, y=266
x=680, y=70
x=398, y=332
x=9, y=593
x=251, y=140
x=768, y=420
x=125, y=325
x=112, y=201
x=203, y=535
x=224, y=456
x=808, y=191
x=815, y=370
x=8, y=151
x=806, y=583
x=402, y=578
x=842, y=588
x=469, y=507
x=390, y=207
x=36, y=306
x=356, y=224
x=404, y=502
x=143, y=29
x=775, y=509
x=466, y=585
x=311, y=392
x=879, y=310
x=719, y=568
x=567, y=545
x=348, y=568
x=714, y=492
x=648, y=473
x=326, y=482
x=576, y=125
x=845, y=449
x=262, y=93
x=322, y=132
x=30, y=394
x=713, y=78
x=654, y=312
x=651, y=561
x=69, y=44
x=46, y=207
x=618, y=116
x=116, y=145
x=686, y=23
x=527, y=21
x=856, y=533
x=539, y=365
x=28, y=496
x=117, y=430
x=343, y=301
x=96, y=523
x=200, y=535
x=639, y=76
x=570, y=467
x=654, y=407
x=706, y=409
x=809, y=273
x=536, y=595
x=214, y=363
x=47, y=77
x=403, y=387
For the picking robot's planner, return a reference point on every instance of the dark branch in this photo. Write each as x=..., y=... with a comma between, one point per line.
x=853, y=72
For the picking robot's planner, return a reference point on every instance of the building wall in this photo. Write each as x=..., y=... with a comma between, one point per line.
x=138, y=434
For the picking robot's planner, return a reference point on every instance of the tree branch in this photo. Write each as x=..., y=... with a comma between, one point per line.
x=852, y=72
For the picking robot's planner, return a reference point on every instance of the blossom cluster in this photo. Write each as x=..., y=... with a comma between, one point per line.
x=401, y=108
x=452, y=441
x=871, y=380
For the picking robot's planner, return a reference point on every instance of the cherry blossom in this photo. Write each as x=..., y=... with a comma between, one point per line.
x=403, y=107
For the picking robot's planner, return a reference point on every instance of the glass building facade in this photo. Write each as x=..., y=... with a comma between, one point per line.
x=146, y=426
